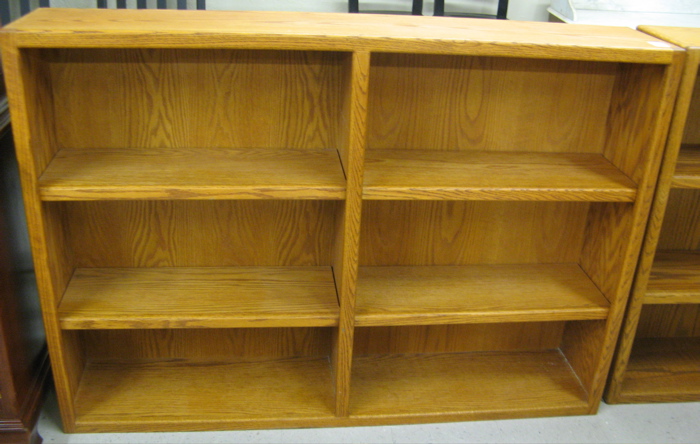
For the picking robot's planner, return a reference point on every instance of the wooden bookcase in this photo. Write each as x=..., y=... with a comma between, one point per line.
x=249, y=219
x=658, y=359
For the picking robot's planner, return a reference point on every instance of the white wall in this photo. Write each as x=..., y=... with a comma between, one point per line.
x=517, y=9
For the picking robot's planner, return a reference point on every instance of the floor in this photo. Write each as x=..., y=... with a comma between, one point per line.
x=645, y=423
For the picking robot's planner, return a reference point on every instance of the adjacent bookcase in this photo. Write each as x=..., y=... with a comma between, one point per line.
x=658, y=359
x=251, y=219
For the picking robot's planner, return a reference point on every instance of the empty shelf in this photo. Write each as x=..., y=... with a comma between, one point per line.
x=100, y=298
x=479, y=175
x=476, y=293
x=174, y=173
x=663, y=370
x=687, y=174
x=466, y=386
x=184, y=395
x=674, y=278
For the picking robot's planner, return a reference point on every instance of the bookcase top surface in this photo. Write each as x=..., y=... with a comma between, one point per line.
x=83, y=28
x=684, y=37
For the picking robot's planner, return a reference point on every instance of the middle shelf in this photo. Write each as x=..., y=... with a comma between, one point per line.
x=419, y=295
x=211, y=297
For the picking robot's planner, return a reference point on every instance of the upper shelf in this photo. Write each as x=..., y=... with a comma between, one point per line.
x=479, y=175
x=172, y=173
x=59, y=27
x=687, y=173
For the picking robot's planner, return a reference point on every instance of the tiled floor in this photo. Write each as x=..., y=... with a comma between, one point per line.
x=645, y=423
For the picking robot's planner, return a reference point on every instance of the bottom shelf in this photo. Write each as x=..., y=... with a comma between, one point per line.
x=461, y=386
x=186, y=395
x=663, y=370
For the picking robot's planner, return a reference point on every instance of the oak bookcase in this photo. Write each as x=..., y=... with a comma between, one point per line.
x=250, y=219
x=658, y=359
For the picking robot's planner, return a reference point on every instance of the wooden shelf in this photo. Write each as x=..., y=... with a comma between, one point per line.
x=183, y=395
x=674, y=278
x=108, y=298
x=479, y=175
x=466, y=386
x=687, y=174
x=663, y=370
x=476, y=293
x=122, y=173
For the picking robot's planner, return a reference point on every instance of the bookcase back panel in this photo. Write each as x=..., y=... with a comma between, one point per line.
x=692, y=125
x=669, y=321
x=488, y=103
x=205, y=344
x=528, y=336
x=140, y=98
x=201, y=233
x=681, y=227
x=461, y=233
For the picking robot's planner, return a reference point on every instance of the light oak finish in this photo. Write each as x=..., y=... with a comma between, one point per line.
x=94, y=174
x=190, y=395
x=674, y=279
x=107, y=298
x=471, y=385
x=648, y=367
x=248, y=219
x=412, y=174
x=476, y=293
x=331, y=32
x=687, y=168
x=663, y=370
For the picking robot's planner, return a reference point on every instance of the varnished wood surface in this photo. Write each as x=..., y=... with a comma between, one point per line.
x=191, y=395
x=687, y=173
x=674, y=279
x=476, y=293
x=200, y=233
x=125, y=28
x=448, y=103
x=100, y=174
x=669, y=321
x=456, y=338
x=663, y=370
x=440, y=175
x=183, y=98
x=471, y=384
x=201, y=344
x=107, y=298
x=465, y=232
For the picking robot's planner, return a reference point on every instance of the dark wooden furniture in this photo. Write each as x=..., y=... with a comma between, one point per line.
x=23, y=357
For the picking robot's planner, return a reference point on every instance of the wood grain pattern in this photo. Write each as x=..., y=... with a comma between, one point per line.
x=687, y=173
x=476, y=293
x=691, y=134
x=177, y=395
x=463, y=233
x=458, y=338
x=448, y=103
x=146, y=99
x=108, y=298
x=681, y=221
x=502, y=384
x=319, y=31
x=347, y=242
x=674, y=279
x=202, y=344
x=200, y=233
x=663, y=370
x=121, y=174
x=669, y=321
x=411, y=174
